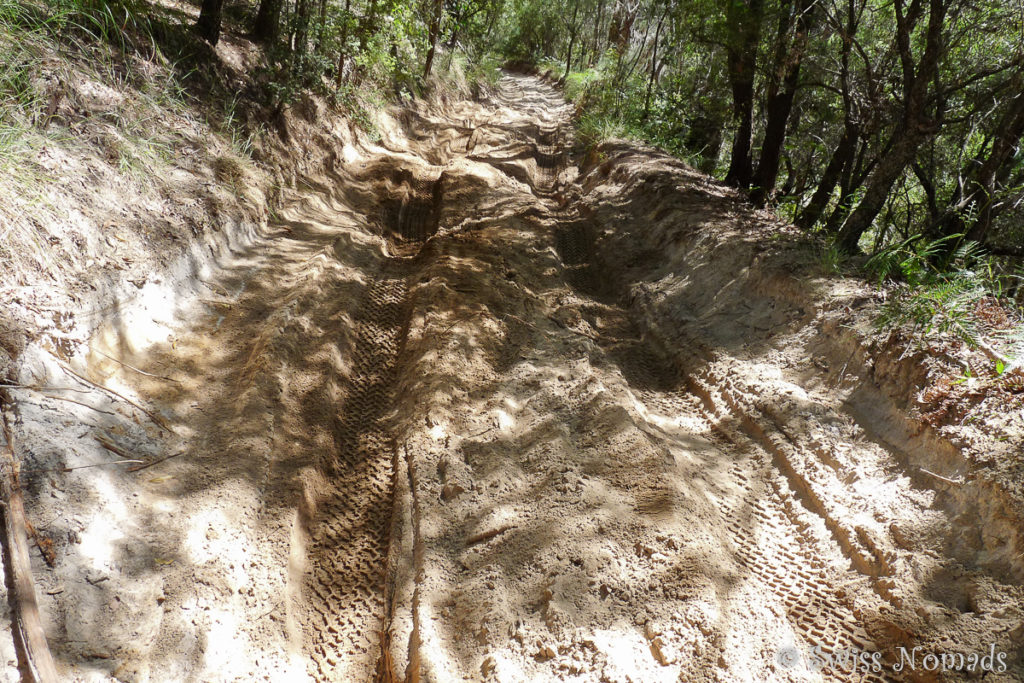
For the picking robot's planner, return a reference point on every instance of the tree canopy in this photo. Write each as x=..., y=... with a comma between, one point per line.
x=872, y=120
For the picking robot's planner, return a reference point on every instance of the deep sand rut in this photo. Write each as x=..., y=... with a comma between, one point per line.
x=427, y=430
x=770, y=539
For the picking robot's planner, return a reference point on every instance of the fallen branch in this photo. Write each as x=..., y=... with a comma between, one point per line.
x=132, y=367
x=28, y=628
x=489, y=429
x=955, y=482
x=114, y=448
x=520, y=320
x=71, y=400
x=488, y=535
x=155, y=462
x=42, y=389
x=1009, y=365
x=160, y=423
x=77, y=467
x=111, y=446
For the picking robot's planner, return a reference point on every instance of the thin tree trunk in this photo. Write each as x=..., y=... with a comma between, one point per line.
x=367, y=25
x=914, y=129
x=741, y=61
x=208, y=25
x=852, y=179
x=975, y=194
x=595, y=50
x=780, y=104
x=883, y=230
x=740, y=172
x=573, y=30
x=880, y=183
x=840, y=212
x=845, y=160
x=435, y=29
x=300, y=38
x=321, y=27
x=339, y=77
x=654, y=65
x=842, y=158
x=266, y=27
x=620, y=32
x=928, y=185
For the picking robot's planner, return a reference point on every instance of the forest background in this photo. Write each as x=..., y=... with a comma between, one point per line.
x=888, y=130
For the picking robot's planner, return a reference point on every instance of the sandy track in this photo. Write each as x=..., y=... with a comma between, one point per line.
x=770, y=538
x=430, y=429
x=350, y=532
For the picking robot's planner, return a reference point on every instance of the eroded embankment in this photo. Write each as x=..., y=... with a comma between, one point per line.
x=459, y=414
x=928, y=514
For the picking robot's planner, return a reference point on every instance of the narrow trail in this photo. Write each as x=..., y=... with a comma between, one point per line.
x=428, y=432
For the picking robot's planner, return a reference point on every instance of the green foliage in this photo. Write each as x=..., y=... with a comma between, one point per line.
x=531, y=29
x=484, y=69
x=597, y=127
x=938, y=289
x=944, y=306
x=831, y=258
x=911, y=261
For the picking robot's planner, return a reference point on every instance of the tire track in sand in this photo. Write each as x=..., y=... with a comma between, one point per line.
x=350, y=533
x=768, y=529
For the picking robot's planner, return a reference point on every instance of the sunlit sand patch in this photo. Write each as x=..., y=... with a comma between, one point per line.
x=107, y=528
x=505, y=421
x=629, y=655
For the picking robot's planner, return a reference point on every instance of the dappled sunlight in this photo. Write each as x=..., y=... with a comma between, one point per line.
x=440, y=421
x=103, y=533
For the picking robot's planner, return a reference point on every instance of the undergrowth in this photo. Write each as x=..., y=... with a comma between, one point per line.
x=940, y=288
x=91, y=83
x=614, y=104
x=936, y=288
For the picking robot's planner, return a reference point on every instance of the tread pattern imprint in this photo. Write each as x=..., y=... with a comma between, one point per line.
x=772, y=535
x=350, y=533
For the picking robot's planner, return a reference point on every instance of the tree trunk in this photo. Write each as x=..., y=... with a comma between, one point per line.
x=740, y=172
x=621, y=28
x=626, y=75
x=778, y=109
x=339, y=77
x=435, y=29
x=620, y=33
x=842, y=157
x=595, y=49
x=879, y=184
x=975, y=194
x=300, y=38
x=321, y=27
x=573, y=30
x=654, y=65
x=266, y=27
x=208, y=25
x=367, y=25
x=915, y=126
x=840, y=212
x=741, y=60
x=780, y=102
x=851, y=180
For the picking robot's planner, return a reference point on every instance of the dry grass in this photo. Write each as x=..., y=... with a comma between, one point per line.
x=94, y=136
